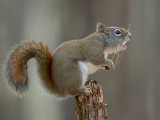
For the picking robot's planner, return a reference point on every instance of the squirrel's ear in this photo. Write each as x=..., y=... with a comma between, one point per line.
x=100, y=27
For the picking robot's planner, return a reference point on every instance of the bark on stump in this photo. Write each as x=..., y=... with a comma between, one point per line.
x=91, y=107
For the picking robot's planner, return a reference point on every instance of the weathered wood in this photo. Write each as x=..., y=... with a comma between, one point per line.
x=91, y=107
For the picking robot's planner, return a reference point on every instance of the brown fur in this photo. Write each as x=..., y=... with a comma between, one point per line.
x=16, y=66
x=65, y=70
x=61, y=74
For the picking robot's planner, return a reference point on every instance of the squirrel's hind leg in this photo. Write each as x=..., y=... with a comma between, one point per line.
x=83, y=72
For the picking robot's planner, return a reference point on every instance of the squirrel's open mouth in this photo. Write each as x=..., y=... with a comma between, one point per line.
x=122, y=45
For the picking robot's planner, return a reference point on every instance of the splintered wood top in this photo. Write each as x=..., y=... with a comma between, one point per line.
x=91, y=107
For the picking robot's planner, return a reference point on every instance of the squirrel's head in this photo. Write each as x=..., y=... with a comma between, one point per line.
x=115, y=37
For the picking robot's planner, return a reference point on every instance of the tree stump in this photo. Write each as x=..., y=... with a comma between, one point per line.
x=91, y=107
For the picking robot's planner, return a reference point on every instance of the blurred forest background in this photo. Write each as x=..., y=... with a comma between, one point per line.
x=131, y=90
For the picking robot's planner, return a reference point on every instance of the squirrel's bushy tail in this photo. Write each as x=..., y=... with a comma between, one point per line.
x=15, y=69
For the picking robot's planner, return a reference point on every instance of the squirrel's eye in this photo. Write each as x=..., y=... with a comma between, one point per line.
x=117, y=32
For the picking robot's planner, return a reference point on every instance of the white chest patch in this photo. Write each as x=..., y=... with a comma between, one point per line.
x=87, y=68
x=91, y=67
x=105, y=54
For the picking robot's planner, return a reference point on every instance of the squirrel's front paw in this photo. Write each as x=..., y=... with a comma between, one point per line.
x=109, y=65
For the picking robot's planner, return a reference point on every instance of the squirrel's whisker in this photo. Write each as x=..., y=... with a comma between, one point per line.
x=117, y=59
x=128, y=27
x=113, y=56
x=120, y=56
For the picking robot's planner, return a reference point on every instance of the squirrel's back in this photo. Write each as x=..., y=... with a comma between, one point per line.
x=15, y=68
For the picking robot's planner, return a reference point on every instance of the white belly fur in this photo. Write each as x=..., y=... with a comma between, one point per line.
x=87, y=68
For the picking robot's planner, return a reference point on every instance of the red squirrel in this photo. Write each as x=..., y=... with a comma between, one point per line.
x=65, y=72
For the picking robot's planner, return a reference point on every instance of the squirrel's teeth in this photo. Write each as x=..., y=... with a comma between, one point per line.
x=124, y=43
